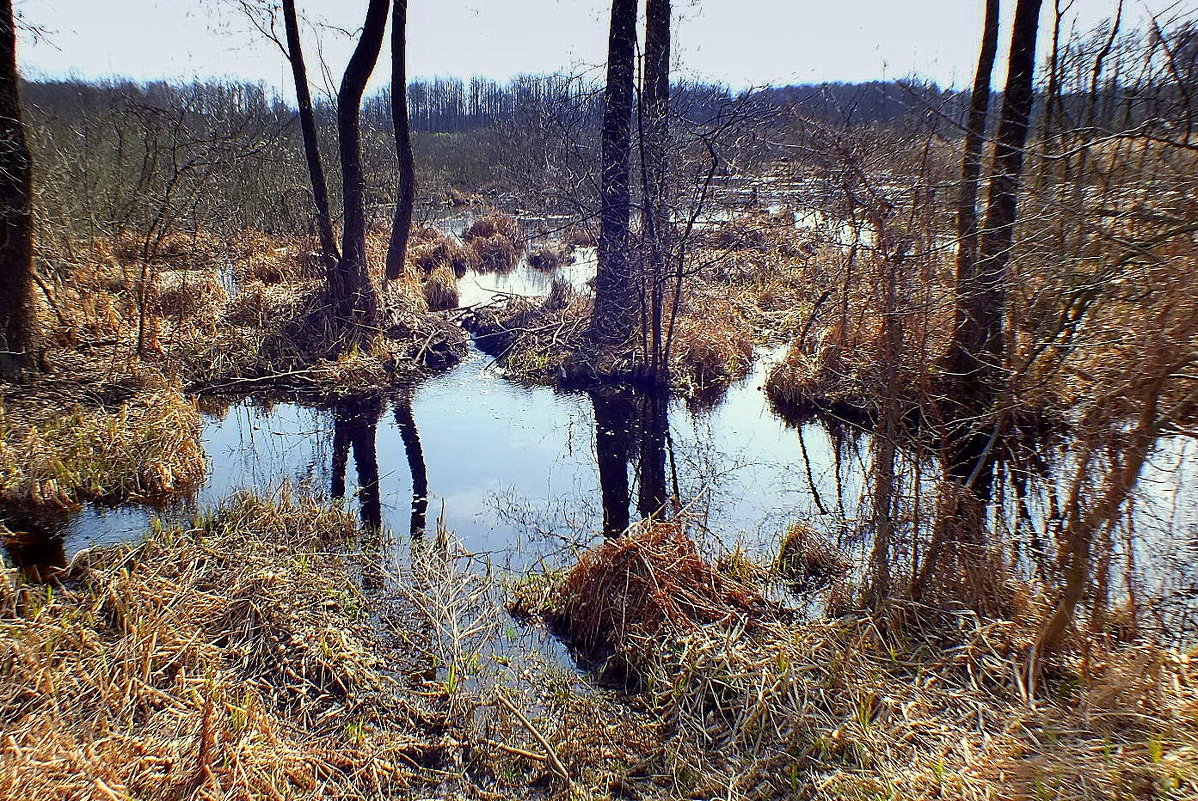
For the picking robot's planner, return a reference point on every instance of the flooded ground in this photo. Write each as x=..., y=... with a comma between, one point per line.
x=527, y=476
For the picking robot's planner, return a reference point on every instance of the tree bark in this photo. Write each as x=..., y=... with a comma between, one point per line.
x=401, y=224
x=18, y=317
x=960, y=363
x=982, y=334
x=303, y=97
x=655, y=111
x=351, y=290
x=614, y=316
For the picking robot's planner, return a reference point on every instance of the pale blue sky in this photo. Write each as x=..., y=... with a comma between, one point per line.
x=737, y=42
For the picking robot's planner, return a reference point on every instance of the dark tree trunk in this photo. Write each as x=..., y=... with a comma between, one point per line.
x=616, y=301
x=981, y=335
x=961, y=364
x=320, y=192
x=401, y=224
x=355, y=428
x=655, y=111
x=652, y=493
x=18, y=323
x=351, y=290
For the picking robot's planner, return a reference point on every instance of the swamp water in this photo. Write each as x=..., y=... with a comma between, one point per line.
x=528, y=476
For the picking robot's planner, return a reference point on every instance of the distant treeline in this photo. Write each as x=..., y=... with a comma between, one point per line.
x=454, y=105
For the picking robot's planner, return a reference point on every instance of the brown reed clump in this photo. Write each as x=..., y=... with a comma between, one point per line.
x=623, y=598
x=913, y=705
x=147, y=448
x=441, y=289
x=430, y=249
x=580, y=236
x=807, y=560
x=713, y=345
x=231, y=659
x=547, y=258
x=496, y=253
x=493, y=224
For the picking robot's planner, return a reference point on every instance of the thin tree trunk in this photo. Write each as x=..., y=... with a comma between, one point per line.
x=406, y=195
x=655, y=96
x=320, y=191
x=351, y=289
x=614, y=316
x=18, y=321
x=960, y=363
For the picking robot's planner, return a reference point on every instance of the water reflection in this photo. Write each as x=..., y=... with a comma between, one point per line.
x=631, y=435
x=405, y=421
x=355, y=428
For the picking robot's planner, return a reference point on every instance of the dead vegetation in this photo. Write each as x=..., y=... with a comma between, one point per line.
x=548, y=258
x=247, y=313
x=919, y=704
x=146, y=448
x=231, y=659
x=430, y=249
x=497, y=241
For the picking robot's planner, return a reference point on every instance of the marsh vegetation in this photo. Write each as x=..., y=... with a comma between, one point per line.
x=605, y=435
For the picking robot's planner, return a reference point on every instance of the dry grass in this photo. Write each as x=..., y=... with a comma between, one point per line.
x=580, y=236
x=496, y=224
x=629, y=594
x=430, y=249
x=713, y=343
x=246, y=314
x=147, y=448
x=920, y=706
x=497, y=241
x=229, y=660
x=441, y=289
x=495, y=253
x=548, y=258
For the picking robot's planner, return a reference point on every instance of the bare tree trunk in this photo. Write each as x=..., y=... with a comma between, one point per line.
x=960, y=363
x=982, y=333
x=320, y=192
x=406, y=195
x=18, y=318
x=351, y=289
x=655, y=111
x=614, y=317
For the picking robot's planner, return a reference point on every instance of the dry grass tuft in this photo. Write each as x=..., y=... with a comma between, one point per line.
x=807, y=560
x=441, y=289
x=497, y=241
x=624, y=597
x=713, y=344
x=496, y=224
x=430, y=249
x=580, y=236
x=147, y=448
x=548, y=258
x=495, y=253
x=229, y=660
